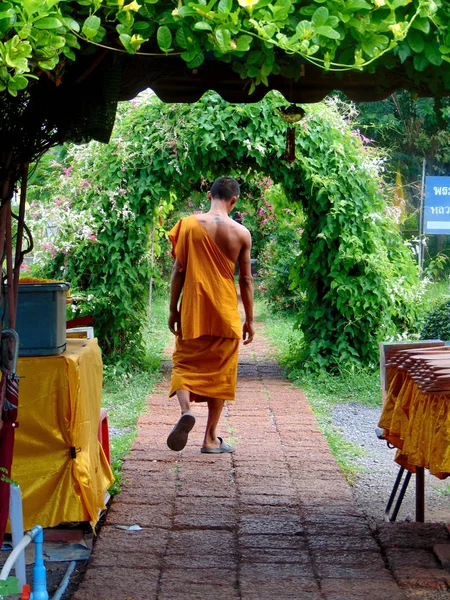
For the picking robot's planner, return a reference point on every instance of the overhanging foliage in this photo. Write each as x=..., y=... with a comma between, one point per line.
x=258, y=36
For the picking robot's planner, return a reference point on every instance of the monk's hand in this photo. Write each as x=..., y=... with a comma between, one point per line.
x=248, y=332
x=175, y=322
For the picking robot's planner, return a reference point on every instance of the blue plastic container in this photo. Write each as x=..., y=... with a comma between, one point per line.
x=41, y=318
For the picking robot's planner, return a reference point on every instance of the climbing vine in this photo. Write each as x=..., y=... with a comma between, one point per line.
x=259, y=37
x=357, y=279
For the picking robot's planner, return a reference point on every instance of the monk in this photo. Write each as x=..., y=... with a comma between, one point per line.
x=206, y=321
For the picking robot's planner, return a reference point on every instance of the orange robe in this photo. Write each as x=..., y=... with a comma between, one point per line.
x=206, y=354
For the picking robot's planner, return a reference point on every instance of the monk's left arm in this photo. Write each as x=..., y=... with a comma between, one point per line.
x=176, y=287
x=246, y=289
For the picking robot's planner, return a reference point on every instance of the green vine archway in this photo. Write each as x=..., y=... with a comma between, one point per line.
x=357, y=276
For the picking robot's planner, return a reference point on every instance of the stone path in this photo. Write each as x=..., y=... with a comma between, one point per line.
x=274, y=521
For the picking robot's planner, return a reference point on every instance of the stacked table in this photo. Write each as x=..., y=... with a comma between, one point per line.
x=416, y=408
x=58, y=460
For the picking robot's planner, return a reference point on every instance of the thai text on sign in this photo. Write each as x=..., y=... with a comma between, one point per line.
x=436, y=213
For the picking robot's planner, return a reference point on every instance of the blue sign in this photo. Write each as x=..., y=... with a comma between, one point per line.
x=436, y=209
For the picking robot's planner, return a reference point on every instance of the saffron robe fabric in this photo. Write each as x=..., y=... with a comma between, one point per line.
x=59, y=462
x=418, y=424
x=206, y=353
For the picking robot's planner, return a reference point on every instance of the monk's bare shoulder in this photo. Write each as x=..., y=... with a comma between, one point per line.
x=243, y=232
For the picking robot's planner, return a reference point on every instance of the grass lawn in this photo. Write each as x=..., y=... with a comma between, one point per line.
x=124, y=394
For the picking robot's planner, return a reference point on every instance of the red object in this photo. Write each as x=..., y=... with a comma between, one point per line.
x=80, y=322
x=26, y=592
x=289, y=154
x=103, y=434
x=8, y=417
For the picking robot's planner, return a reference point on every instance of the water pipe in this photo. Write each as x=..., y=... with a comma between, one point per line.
x=15, y=516
x=65, y=581
x=27, y=538
x=39, y=572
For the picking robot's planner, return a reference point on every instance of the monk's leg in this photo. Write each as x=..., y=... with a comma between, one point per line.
x=179, y=435
x=215, y=407
x=184, y=398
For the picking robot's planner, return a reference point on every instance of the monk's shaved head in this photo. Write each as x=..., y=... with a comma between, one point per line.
x=225, y=188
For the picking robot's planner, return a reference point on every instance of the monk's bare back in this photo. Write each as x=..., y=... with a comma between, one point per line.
x=232, y=238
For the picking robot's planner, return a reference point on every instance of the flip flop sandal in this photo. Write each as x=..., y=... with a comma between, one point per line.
x=179, y=435
x=224, y=447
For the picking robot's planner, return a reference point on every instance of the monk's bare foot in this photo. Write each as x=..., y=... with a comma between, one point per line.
x=221, y=448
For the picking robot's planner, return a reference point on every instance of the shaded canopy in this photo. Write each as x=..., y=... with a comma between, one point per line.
x=82, y=103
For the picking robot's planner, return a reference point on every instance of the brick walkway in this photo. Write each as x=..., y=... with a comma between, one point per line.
x=274, y=521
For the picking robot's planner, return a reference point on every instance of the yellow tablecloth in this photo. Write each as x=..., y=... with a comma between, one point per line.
x=58, y=462
x=418, y=424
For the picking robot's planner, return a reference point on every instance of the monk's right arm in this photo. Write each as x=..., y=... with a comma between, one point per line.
x=246, y=289
x=176, y=287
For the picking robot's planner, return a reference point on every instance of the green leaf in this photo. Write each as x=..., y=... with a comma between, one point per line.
x=223, y=38
x=243, y=43
x=225, y=6
x=320, y=16
x=18, y=82
x=420, y=62
x=328, y=32
x=404, y=51
x=49, y=64
x=9, y=14
x=49, y=23
x=69, y=53
x=422, y=25
x=355, y=5
x=181, y=38
x=72, y=24
x=164, y=38
x=91, y=27
x=415, y=40
x=196, y=61
x=433, y=55
x=202, y=26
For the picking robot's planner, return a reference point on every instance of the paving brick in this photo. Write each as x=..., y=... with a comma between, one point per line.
x=191, y=591
x=412, y=535
x=272, y=542
x=419, y=568
x=267, y=524
x=367, y=589
x=271, y=572
x=144, y=548
x=156, y=515
x=276, y=520
x=118, y=583
x=293, y=589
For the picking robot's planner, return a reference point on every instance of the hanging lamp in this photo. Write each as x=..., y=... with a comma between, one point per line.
x=290, y=114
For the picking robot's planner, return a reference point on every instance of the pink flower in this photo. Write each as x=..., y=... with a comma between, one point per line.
x=265, y=220
x=58, y=201
x=261, y=212
x=85, y=183
x=67, y=171
x=24, y=267
x=92, y=237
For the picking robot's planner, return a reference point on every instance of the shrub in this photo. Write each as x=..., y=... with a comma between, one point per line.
x=437, y=323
